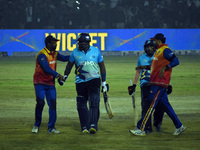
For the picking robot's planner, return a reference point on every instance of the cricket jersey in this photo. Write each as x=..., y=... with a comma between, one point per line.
x=45, y=70
x=144, y=60
x=160, y=60
x=86, y=64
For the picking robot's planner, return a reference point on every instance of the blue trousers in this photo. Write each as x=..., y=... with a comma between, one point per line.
x=145, y=103
x=49, y=92
x=88, y=92
x=158, y=95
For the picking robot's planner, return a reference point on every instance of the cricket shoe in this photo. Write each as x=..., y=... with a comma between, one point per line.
x=178, y=131
x=92, y=130
x=53, y=130
x=137, y=132
x=35, y=129
x=85, y=131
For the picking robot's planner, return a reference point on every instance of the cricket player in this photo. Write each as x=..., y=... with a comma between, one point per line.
x=87, y=60
x=44, y=82
x=163, y=62
x=143, y=71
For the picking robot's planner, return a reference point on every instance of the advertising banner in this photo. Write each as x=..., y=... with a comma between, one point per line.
x=105, y=39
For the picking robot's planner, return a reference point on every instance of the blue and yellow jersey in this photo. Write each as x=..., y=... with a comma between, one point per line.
x=159, y=61
x=144, y=60
x=40, y=76
x=86, y=64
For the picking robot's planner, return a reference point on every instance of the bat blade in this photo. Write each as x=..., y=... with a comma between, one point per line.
x=133, y=97
x=107, y=105
x=133, y=100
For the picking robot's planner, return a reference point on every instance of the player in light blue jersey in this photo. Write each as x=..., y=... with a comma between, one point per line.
x=143, y=71
x=88, y=62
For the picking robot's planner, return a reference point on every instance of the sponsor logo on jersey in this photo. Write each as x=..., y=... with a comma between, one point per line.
x=89, y=63
x=52, y=62
x=171, y=54
x=155, y=58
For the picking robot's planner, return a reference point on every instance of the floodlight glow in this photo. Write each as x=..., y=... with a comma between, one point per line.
x=78, y=2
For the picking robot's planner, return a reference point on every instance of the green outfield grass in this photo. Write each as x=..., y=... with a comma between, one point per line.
x=17, y=104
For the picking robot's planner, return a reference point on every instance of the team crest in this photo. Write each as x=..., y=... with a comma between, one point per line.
x=158, y=52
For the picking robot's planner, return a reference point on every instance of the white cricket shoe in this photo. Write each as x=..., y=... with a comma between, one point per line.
x=137, y=132
x=35, y=129
x=53, y=131
x=178, y=131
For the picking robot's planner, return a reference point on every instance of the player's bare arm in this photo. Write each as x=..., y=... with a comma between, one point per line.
x=68, y=68
x=137, y=75
x=102, y=67
x=131, y=88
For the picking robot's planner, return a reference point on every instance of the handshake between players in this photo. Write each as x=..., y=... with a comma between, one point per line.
x=62, y=79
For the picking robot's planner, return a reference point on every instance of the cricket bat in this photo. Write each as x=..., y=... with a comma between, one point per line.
x=134, y=106
x=107, y=105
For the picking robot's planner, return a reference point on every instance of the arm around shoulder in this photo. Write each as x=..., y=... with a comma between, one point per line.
x=63, y=58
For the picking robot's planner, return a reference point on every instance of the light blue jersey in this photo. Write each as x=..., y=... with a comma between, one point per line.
x=144, y=60
x=86, y=64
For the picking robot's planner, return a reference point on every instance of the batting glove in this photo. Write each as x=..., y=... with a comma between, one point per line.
x=105, y=87
x=131, y=89
x=61, y=82
x=65, y=78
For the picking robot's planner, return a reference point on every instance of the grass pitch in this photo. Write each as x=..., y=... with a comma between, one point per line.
x=17, y=104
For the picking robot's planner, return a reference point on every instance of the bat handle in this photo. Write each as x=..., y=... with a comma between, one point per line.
x=131, y=83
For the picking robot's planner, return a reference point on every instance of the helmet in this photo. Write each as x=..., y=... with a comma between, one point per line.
x=83, y=41
x=149, y=47
x=84, y=37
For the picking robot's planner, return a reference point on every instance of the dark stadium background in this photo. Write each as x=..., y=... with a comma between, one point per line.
x=99, y=14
